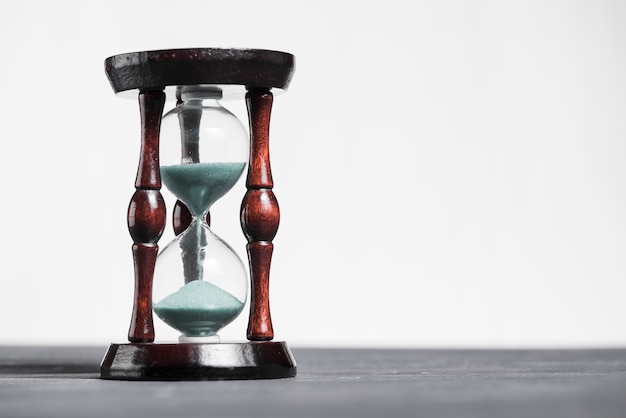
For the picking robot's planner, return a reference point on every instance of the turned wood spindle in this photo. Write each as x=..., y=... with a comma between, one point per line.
x=146, y=215
x=260, y=213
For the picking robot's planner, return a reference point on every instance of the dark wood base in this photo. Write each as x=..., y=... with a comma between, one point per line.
x=198, y=361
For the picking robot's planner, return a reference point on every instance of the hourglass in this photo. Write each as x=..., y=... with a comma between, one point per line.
x=197, y=284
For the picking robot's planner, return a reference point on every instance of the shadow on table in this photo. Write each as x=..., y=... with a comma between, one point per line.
x=27, y=369
x=28, y=361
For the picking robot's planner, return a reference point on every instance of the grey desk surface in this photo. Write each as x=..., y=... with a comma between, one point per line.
x=63, y=382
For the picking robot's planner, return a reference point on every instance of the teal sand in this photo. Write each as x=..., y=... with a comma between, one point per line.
x=200, y=185
x=198, y=309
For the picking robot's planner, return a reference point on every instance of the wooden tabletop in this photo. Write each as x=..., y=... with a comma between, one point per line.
x=64, y=382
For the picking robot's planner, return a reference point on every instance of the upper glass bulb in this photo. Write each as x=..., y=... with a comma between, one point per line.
x=206, y=130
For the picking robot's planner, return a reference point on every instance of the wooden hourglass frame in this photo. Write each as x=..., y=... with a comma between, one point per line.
x=151, y=73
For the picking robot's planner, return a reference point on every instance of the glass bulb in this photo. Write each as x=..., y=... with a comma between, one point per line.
x=200, y=284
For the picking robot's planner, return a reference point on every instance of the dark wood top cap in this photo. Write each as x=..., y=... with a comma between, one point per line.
x=198, y=66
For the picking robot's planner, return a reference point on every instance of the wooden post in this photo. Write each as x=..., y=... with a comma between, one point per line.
x=146, y=215
x=260, y=214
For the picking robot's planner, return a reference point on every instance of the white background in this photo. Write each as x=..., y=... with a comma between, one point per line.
x=450, y=173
